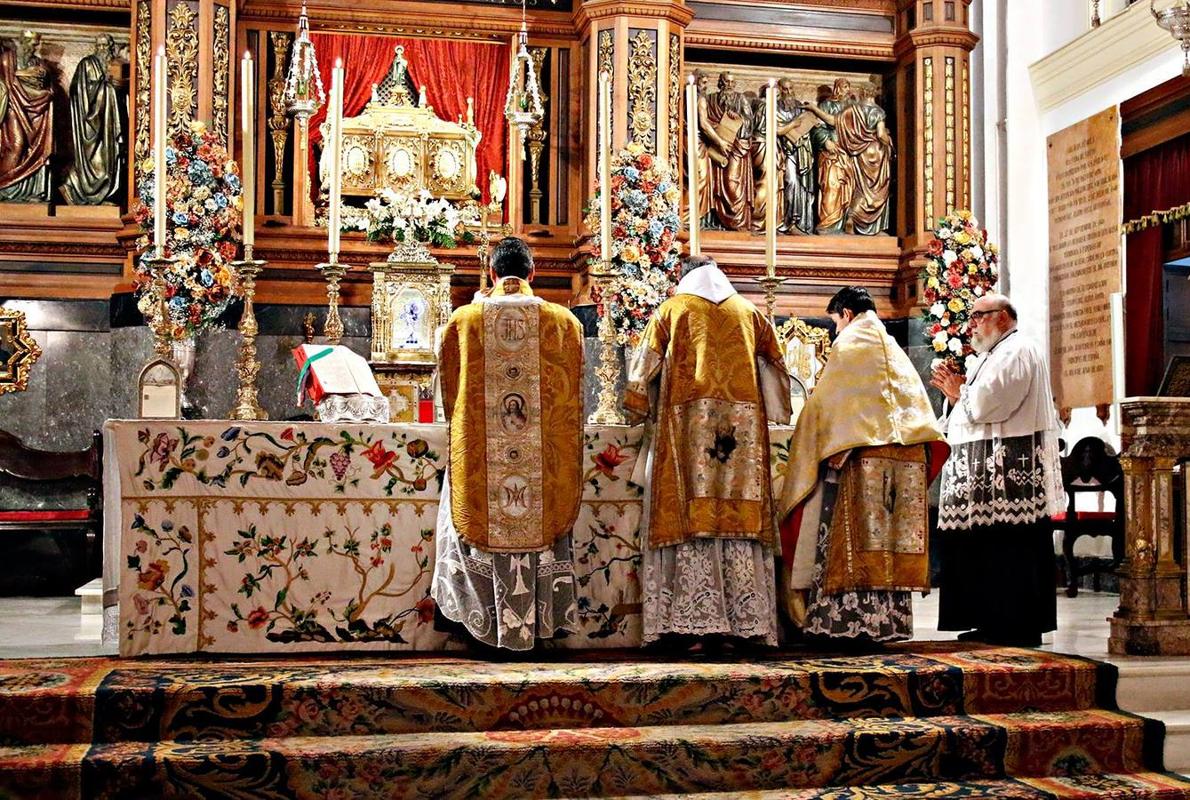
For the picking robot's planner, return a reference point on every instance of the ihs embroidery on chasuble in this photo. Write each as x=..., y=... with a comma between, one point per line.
x=512, y=400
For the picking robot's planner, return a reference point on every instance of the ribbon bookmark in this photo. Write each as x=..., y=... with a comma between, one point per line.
x=301, y=380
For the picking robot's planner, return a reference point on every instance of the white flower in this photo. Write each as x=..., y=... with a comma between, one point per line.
x=945, y=233
x=937, y=310
x=941, y=337
x=937, y=362
x=976, y=252
x=956, y=345
x=969, y=362
x=949, y=257
x=977, y=291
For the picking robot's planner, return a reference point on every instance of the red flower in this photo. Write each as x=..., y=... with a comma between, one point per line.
x=607, y=461
x=381, y=459
x=935, y=329
x=152, y=576
x=936, y=247
x=257, y=617
x=162, y=447
x=425, y=609
x=645, y=161
x=287, y=435
x=955, y=280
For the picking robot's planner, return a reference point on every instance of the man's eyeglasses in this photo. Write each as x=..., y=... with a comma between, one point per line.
x=981, y=314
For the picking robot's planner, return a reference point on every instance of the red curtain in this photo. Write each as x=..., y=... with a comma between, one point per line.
x=1154, y=180
x=366, y=60
x=450, y=72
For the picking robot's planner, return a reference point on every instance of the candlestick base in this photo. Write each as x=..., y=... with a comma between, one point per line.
x=159, y=324
x=333, y=272
x=607, y=409
x=770, y=283
x=247, y=405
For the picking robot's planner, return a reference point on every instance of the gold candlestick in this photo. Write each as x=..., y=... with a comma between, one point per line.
x=333, y=272
x=770, y=283
x=247, y=366
x=159, y=324
x=607, y=410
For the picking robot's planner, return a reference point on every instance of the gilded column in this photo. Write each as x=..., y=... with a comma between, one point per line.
x=933, y=49
x=640, y=43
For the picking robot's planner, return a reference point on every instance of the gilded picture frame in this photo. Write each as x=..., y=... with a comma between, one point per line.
x=18, y=351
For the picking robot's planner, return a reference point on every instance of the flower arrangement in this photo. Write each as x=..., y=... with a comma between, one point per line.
x=203, y=200
x=644, y=248
x=398, y=217
x=962, y=266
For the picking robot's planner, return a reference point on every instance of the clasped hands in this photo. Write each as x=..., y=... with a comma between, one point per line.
x=947, y=380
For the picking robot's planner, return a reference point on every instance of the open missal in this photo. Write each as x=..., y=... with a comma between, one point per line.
x=326, y=369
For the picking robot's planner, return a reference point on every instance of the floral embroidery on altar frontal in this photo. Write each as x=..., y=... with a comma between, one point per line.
x=608, y=462
x=407, y=464
x=286, y=617
x=161, y=582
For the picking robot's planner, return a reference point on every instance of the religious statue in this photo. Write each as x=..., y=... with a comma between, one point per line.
x=730, y=114
x=26, y=122
x=707, y=139
x=861, y=133
x=97, y=127
x=795, y=158
x=835, y=178
x=760, y=193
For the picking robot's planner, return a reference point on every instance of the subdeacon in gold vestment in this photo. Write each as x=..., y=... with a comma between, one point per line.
x=710, y=473
x=510, y=369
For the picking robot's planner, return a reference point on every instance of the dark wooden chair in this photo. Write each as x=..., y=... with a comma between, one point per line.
x=1091, y=468
x=31, y=469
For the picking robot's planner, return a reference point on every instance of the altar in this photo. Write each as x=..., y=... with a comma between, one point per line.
x=278, y=537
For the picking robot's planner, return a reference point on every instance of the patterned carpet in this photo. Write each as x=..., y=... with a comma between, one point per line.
x=937, y=721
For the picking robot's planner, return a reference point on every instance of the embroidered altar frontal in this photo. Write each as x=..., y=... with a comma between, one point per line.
x=225, y=537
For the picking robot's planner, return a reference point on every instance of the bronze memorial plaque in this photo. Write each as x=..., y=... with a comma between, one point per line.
x=1085, y=257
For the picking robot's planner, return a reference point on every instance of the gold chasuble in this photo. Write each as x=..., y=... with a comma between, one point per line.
x=709, y=350
x=511, y=368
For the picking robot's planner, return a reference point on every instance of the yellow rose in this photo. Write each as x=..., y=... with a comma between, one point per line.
x=635, y=148
x=971, y=268
x=932, y=283
x=955, y=305
x=962, y=238
x=939, y=346
x=630, y=253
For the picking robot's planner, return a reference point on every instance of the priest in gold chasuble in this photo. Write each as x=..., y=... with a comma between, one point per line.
x=709, y=371
x=510, y=372
x=854, y=506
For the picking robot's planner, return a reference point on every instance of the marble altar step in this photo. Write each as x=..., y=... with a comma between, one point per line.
x=595, y=762
x=106, y=700
x=1160, y=688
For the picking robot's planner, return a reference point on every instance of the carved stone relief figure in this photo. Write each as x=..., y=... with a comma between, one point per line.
x=97, y=127
x=730, y=114
x=836, y=181
x=795, y=156
x=862, y=134
x=707, y=143
x=26, y=122
x=760, y=193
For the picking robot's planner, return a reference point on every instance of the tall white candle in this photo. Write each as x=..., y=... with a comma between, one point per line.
x=159, y=136
x=770, y=171
x=692, y=163
x=336, y=144
x=605, y=166
x=248, y=137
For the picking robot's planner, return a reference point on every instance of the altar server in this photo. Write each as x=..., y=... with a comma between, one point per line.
x=510, y=372
x=854, y=541
x=1000, y=487
x=708, y=370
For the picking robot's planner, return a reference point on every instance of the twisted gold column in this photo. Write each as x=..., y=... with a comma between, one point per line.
x=247, y=366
